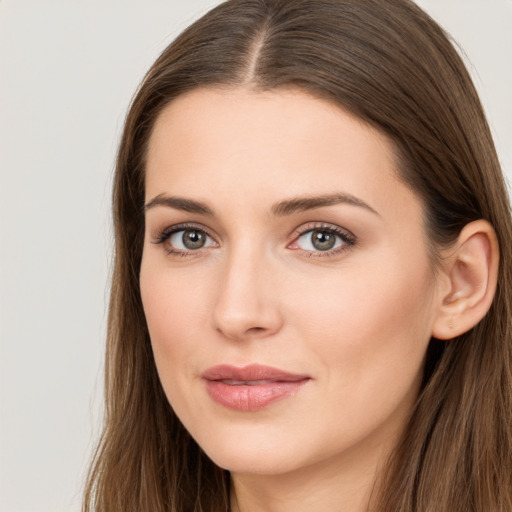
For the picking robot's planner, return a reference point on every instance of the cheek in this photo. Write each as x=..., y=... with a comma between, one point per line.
x=369, y=335
x=365, y=322
x=174, y=316
x=361, y=330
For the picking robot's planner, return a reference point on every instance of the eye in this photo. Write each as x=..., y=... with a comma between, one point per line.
x=189, y=240
x=184, y=240
x=318, y=240
x=323, y=239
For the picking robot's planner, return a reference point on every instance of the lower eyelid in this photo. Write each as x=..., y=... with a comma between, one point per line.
x=161, y=236
x=209, y=242
x=343, y=234
x=347, y=239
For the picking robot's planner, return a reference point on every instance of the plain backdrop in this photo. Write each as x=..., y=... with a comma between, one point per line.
x=68, y=69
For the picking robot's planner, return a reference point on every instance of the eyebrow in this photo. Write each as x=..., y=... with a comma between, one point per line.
x=179, y=203
x=301, y=204
x=279, y=209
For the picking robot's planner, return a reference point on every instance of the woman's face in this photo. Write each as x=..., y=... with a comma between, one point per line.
x=285, y=279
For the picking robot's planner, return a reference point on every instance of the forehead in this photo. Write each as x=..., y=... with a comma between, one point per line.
x=286, y=142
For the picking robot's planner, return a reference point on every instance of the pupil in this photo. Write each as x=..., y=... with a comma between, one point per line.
x=193, y=239
x=323, y=240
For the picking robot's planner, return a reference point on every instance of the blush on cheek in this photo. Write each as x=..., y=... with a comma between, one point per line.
x=172, y=318
x=373, y=318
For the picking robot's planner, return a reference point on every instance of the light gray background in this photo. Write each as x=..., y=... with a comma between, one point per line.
x=68, y=69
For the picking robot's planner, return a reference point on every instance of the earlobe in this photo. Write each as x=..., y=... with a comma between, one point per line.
x=472, y=270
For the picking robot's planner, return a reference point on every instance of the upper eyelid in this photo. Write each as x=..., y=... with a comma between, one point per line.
x=163, y=235
x=311, y=226
x=293, y=236
x=184, y=226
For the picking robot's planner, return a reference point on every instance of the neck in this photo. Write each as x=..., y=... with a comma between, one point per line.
x=342, y=485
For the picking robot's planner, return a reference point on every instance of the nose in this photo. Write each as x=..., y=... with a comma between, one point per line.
x=247, y=300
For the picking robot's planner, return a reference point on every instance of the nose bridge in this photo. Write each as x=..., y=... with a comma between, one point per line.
x=246, y=301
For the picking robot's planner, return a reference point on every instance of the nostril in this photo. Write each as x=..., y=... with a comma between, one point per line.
x=238, y=315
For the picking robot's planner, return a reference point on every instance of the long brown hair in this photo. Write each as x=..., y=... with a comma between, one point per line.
x=391, y=65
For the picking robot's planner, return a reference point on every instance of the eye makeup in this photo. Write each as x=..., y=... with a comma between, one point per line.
x=320, y=240
x=194, y=238
x=313, y=239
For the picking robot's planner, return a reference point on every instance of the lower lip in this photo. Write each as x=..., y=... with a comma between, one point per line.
x=249, y=398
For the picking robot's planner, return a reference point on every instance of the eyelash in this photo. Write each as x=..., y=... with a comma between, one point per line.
x=166, y=234
x=347, y=238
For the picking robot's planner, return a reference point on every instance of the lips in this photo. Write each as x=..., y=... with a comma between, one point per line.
x=252, y=387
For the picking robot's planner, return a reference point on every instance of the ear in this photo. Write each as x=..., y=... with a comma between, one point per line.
x=471, y=271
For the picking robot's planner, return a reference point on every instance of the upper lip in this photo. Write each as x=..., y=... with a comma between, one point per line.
x=252, y=372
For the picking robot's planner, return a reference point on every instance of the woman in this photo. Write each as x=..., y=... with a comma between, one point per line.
x=310, y=306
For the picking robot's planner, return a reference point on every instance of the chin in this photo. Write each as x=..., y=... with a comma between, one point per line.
x=254, y=463
x=250, y=455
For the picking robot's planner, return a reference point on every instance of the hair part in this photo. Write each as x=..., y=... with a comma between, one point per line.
x=392, y=66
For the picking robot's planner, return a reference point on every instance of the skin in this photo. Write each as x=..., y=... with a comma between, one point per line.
x=357, y=321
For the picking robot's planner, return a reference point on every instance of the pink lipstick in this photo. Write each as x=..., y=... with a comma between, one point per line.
x=252, y=387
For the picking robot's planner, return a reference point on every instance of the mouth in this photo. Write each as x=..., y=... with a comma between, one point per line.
x=252, y=387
